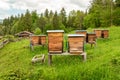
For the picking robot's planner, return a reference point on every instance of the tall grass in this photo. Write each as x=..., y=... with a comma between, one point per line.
x=103, y=62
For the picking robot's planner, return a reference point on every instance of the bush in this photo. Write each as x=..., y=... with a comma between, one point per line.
x=37, y=31
x=10, y=37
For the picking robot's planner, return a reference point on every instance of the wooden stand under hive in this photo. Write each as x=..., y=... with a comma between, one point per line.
x=76, y=43
x=55, y=44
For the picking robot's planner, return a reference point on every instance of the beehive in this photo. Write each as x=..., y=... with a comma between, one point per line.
x=91, y=37
x=38, y=39
x=84, y=32
x=76, y=43
x=98, y=33
x=43, y=39
x=105, y=33
x=55, y=41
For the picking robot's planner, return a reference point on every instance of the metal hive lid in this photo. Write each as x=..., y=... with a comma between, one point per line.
x=75, y=35
x=55, y=31
x=81, y=30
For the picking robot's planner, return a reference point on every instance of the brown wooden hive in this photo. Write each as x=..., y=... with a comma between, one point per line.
x=76, y=43
x=38, y=39
x=55, y=41
x=91, y=37
x=105, y=33
x=84, y=32
x=98, y=33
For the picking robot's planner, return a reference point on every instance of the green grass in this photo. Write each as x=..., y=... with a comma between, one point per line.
x=103, y=62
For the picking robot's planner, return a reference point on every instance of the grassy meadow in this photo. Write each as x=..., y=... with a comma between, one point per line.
x=103, y=62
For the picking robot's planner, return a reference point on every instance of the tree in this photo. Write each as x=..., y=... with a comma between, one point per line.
x=100, y=13
x=79, y=20
x=41, y=23
x=117, y=3
x=46, y=13
x=56, y=21
x=71, y=19
x=63, y=16
x=27, y=21
x=34, y=19
x=116, y=13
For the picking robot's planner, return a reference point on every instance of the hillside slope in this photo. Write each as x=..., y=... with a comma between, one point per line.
x=103, y=62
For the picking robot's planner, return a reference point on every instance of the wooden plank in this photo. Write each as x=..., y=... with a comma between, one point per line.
x=67, y=53
x=83, y=54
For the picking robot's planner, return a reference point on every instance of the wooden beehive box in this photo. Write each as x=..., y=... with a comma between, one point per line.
x=105, y=33
x=38, y=39
x=43, y=39
x=91, y=37
x=98, y=33
x=55, y=41
x=84, y=32
x=76, y=43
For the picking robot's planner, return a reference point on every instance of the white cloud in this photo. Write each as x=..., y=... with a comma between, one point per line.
x=41, y=5
x=4, y=5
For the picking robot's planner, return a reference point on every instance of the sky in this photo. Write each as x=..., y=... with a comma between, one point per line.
x=15, y=7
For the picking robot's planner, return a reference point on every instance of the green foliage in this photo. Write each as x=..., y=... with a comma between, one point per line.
x=100, y=14
x=34, y=19
x=1, y=30
x=116, y=17
x=48, y=26
x=37, y=31
x=10, y=37
x=117, y=2
x=41, y=22
x=56, y=21
x=63, y=17
x=18, y=74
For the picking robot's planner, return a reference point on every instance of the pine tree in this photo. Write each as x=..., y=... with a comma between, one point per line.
x=27, y=20
x=56, y=22
x=63, y=16
x=41, y=23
